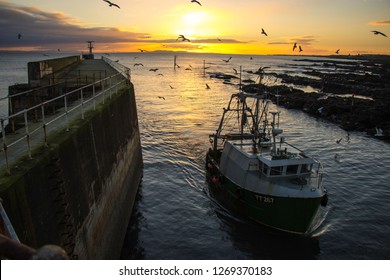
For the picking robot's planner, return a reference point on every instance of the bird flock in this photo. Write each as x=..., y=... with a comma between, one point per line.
x=183, y=38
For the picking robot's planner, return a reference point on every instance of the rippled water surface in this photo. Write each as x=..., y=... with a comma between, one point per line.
x=174, y=216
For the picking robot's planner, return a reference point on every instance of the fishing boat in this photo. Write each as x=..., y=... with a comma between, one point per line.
x=253, y=171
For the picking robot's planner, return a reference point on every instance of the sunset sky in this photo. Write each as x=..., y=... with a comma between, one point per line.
x=218, y=26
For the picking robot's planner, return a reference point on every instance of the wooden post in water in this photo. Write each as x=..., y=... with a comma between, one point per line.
x=174, y=62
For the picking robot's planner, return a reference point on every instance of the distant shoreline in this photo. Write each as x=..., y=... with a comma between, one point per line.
x=375, y=57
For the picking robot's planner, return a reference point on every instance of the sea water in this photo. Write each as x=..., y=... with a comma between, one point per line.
x=175, y=217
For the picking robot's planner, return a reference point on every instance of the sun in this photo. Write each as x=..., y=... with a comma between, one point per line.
x=196, y=24
x=193, y=19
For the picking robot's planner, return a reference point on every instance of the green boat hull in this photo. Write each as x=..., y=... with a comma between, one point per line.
x=289, y=214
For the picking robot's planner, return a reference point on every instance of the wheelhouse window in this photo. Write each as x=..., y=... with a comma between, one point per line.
x=292, y=169
x=276, y=170
x=306, y=168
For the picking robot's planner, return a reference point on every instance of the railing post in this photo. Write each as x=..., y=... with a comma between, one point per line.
x=11, y=112
x=128, y=75
x=103, y=90
x=110, y=87
x=7, y=223
x=82, y=104
x=27, y=133
x=94, y=97
x=5, y=147
x=44, y=126
x=66, y=112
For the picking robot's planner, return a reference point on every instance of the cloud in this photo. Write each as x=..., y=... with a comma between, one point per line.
x=43, y=30
x=302, y=40
x=380, y=23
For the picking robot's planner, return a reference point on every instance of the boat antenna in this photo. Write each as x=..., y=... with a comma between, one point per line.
x=240, y=85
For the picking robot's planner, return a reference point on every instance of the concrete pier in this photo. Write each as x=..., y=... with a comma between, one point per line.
x=71, y=163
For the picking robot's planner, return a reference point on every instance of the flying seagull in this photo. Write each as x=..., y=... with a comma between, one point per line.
x=338, y=51
x=207, y=86
x=153, y=69
x=378, y=33
x=19, y=36
x=194, y=1
x=138, y=64
x=261, y=70
x=263, y=32
x=227, y=60
x=161, y=97
x=183, y=38
x=141, y=50
x=300, y=49
x=295, y=46
x=110, y=4
x=379, y=132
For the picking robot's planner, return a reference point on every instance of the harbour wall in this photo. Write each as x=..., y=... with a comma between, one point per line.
x=40, y=71
x=79, y=191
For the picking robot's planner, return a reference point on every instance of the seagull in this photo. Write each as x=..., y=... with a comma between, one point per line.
x=263, y=32
x=378, y=33
x=58, y=50
x=295, y=46
x=153, y=69
x=347, y=138
x=207, y=86
x=379, y=132
x=261, y=69
x=161, y=97
x=138, y=64
x=194, y=1
x=227, y=60
x=110, y=4
x=19, y=36
x=339, y=140
x=338, y=51
x=300, y=49
x=219, y=40
x=141, y=50
x=235, y=70
x=183, y=38
x=171, y=87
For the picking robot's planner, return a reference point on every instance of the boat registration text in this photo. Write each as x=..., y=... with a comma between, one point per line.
x=264, y=199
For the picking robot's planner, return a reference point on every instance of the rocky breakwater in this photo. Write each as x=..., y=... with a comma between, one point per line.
x=354, y=93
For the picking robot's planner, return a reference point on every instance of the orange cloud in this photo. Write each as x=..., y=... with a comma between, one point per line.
x=380, y=23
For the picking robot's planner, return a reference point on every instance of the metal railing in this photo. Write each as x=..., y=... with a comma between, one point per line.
x=54, y=113
x=118, y=67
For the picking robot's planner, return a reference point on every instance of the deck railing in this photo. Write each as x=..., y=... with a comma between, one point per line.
x=40, y=119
